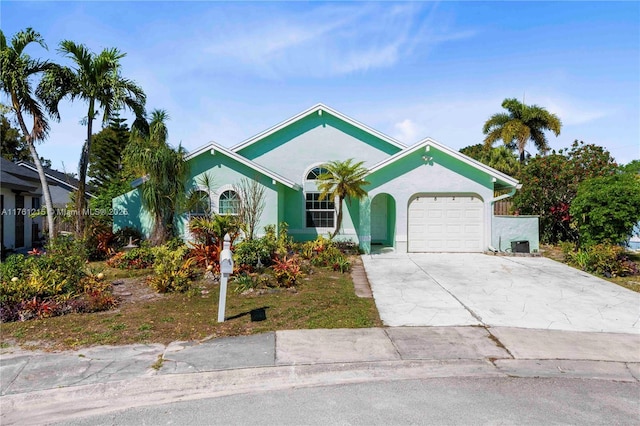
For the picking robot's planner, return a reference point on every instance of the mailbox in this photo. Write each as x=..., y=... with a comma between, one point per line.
x=226, y=262
x=226, y=269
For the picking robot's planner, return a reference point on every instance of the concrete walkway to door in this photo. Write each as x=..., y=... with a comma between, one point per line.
x=445, y=289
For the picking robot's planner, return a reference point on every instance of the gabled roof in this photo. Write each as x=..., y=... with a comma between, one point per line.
x=57, y=177
x=214, y=149
x=16, y=177
x=318, y=108
x=11, y=181
x=16, y=170
x=428, y=142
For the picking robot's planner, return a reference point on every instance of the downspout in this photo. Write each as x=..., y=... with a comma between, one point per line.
x=496, y=199
x=503, y=196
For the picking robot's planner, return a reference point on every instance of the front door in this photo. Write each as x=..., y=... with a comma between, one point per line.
x=379, y=219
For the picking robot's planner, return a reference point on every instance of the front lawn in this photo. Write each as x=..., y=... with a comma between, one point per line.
x=323, y=299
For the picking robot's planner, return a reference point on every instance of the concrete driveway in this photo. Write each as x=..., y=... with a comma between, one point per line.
x=476, y=289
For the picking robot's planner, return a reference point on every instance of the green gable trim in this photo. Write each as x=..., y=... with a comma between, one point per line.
x=428, y=152
x=317, y=116
x=215, y=149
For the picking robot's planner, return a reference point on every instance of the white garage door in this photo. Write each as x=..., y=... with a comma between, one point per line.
x=446, y=223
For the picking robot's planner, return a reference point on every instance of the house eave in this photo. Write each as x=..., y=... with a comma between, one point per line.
x=214, y=148
x=55, y=179
x=428, y=142
x=315, y=109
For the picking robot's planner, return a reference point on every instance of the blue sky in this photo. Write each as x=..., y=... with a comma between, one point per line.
x=226, y=71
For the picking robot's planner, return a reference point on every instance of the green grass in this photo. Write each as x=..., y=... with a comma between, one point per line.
x=325, y=299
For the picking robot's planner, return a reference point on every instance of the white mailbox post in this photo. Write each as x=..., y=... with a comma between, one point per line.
x=226, y=269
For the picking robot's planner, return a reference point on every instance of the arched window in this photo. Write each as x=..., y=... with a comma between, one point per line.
x=315, y=172
x=229, y=203
x=201, y=203
x=319, y=213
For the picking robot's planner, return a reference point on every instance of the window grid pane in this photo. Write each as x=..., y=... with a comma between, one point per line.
x=315, y=172
x=229, y=203
x=319, y=213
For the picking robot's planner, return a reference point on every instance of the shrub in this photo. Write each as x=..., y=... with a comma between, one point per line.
x=172, y=270
x=607, y=208
x=12, y=266
x=205, y=255
x=603, y=259
x=249, y=252
x=100, y=241
x=287, y=270
x=342, y=264
x=244, y=282
x=136, y=258
x=284, y=243
x=329, y=256
x=211, y=231
x=51, y=284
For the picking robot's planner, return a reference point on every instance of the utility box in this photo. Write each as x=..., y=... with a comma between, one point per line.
x=520, y=247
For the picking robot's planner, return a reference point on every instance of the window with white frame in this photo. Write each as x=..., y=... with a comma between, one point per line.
x=229, y=203
x=315, y=172
x=320, y=213
x=201, y=203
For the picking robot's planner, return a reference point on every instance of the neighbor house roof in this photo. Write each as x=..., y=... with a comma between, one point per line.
x=428, y=142
x=16, y=177
x=318, y=108
x=59, y=178
x=214, y=148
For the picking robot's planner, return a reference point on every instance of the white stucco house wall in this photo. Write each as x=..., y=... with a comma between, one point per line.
x=425, y=197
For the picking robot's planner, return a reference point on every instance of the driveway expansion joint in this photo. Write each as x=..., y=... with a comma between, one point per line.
x=473, y=314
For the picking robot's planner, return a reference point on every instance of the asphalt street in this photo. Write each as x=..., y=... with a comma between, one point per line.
x=440, y=401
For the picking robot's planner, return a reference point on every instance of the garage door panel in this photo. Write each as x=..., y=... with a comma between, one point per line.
x=446, y=223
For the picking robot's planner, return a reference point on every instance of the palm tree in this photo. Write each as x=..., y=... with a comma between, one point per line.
x=342, y=180
x=18, y=70
x=164, y=169
x=95, y=79
x=501, y=158
x=521, y=124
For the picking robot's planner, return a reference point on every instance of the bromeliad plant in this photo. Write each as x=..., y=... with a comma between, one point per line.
x=209, y=237
x=288, y=270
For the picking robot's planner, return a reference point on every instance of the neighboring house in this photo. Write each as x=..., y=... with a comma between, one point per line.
x=421, y=198
x=21, y=193
x=61, y=185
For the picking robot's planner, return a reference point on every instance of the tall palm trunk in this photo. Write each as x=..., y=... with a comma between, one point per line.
x=339, y=218
x=82, y=174
x=45, y=189
x=36, y=160
x=521, y=145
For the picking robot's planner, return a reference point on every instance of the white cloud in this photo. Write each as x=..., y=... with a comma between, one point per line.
x=407, y=131
x=329, y=40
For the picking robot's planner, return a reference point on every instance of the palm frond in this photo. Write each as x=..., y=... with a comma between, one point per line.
x=23, y=38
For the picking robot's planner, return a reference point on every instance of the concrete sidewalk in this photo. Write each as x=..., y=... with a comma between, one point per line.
x=49, y=387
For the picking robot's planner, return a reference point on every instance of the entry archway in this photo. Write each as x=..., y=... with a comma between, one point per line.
x=383, y=220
